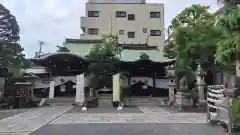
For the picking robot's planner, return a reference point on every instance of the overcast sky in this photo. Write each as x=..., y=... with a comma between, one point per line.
x=52, y=20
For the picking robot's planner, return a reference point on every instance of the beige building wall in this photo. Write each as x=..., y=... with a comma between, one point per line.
x=107, y=22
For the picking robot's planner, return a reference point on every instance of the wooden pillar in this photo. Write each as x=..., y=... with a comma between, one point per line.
x=129, y=78
x=154, y=83
x=154, y=79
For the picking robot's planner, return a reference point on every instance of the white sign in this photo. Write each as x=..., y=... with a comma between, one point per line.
x=51, y=91
x=63, y=88
x=80, y=89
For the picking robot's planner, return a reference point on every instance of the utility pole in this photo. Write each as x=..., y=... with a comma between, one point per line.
x=111, y=22
x=40, y=48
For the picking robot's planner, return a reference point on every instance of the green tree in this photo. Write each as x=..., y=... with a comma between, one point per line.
x=193, y=40
x=12, y=59
x=9, y=29
x=193, y=37
x=228, y=45
x=103, y=57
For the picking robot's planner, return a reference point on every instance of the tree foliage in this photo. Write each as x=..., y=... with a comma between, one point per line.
x=12, y=59
x=9, y=29
x=103, y=57
x=228, y=45
x=193, y=38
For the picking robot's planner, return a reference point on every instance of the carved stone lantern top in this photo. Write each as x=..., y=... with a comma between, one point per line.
x=200, y=71
x=170, y=71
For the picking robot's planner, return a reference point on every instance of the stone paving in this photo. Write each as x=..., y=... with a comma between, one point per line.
x=107, y=110
x=128, y=129
x=31, y=120
x=5, y=114
x=151, y=115
x=66, y=120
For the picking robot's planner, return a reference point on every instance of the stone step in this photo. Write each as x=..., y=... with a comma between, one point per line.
x=144, y=101
x=61, y=100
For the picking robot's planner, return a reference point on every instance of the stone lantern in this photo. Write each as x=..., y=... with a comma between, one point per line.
x=201, y=85
x=171, y=83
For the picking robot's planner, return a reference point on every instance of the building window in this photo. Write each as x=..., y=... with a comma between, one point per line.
x=93, y=13
x=121, y=32
x=121, y=14
x=131, y=17
x=144, y=30
x=131, y=34
x=155, y=15
x=155, y=33
x=92, y=31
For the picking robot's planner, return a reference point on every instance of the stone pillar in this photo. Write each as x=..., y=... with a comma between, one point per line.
x=52, y=89
x=79, y=99
x=201, y=85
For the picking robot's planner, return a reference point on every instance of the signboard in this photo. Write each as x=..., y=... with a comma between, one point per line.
x=52, y=89
x=116, y=87
x=80, y=89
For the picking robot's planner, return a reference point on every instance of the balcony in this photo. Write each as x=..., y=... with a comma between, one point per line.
x=83, y=22
x=89, y=22
x=90, y=37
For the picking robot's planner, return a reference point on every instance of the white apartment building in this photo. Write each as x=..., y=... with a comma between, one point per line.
x=134, y=21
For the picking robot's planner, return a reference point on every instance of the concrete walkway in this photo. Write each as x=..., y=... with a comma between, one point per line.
x=27, y=122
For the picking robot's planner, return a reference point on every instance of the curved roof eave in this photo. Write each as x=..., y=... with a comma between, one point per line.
x=59, y=53
x=168, y=62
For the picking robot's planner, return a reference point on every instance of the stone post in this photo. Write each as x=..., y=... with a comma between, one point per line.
x=171, y=84
x=52, y=89
x=201, y=85
x=79, y=98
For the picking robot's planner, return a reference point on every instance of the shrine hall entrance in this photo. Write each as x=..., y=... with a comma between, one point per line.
x=63, y=69
x=148, y=79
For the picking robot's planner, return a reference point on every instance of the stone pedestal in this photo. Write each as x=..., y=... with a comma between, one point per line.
x=183, y=100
